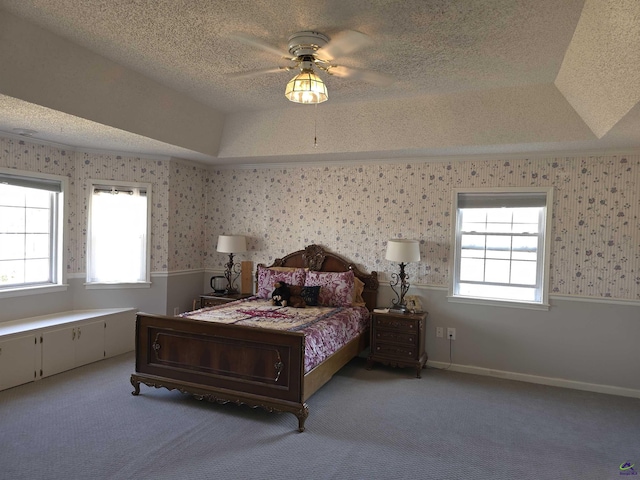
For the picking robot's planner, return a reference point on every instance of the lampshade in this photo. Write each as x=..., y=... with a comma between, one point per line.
x=403, y=251
x=306, y=87
x=231, y=244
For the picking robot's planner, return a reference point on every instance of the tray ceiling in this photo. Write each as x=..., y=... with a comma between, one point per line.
x=155, y=77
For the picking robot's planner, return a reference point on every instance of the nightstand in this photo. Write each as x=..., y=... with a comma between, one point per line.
x=212, y=299
x=398, y=340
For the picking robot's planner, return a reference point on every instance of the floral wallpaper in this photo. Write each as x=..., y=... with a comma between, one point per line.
x=186, y=216
x=80, y=168
x=354, y=210
x=92, y=166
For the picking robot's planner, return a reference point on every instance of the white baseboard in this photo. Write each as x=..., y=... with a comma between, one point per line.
x=554, y=382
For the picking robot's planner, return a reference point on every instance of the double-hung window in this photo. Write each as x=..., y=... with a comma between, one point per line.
x=31, y=233
x=501, y=245
x=118, y=239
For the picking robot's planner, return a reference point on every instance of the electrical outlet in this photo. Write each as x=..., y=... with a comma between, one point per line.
x=176, y=311
x=451, y=333
x=439, y=332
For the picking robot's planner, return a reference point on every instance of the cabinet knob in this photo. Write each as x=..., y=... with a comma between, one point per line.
x=73, y=334
x=79, y=332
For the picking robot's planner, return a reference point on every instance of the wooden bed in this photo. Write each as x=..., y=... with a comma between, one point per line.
x=244, y=365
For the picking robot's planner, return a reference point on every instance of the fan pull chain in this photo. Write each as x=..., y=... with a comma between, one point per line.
x=315, y=126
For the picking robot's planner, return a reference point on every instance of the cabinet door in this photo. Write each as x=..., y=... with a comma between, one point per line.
x=58, y=350
x=120, y=334
x=89, y=342
x=17, y=361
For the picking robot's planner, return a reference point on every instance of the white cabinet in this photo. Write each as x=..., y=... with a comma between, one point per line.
x=72, y=346
x=119, y=334
x=18, y=360
x=37, y=347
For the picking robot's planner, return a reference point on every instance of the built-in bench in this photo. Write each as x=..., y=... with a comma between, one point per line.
x=37, y=347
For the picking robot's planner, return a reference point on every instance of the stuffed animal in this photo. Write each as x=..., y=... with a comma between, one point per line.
x=280, y=295
x=287, y=295
x=296, y=300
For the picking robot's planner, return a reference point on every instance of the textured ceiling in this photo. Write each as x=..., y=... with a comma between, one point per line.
x=434, y=49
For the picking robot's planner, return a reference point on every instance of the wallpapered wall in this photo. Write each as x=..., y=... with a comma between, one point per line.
x=177, y=198
x=353, y=210
x=187, y=200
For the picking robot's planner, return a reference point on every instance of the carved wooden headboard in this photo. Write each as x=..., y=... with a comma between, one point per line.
x=316, y=258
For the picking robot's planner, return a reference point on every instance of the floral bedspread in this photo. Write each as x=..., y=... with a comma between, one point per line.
x=326, y=329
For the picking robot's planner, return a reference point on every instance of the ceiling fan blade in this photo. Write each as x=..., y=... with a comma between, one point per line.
x=343, y=44
x=257, y=73
x=255, y=42
x=375, y=78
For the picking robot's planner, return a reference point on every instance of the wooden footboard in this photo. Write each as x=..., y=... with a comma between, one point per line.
x=222, y=363
x=244, y=365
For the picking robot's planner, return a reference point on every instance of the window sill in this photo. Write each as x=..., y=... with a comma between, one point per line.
x=107, y=286
x=498, y=303
x=35, y=290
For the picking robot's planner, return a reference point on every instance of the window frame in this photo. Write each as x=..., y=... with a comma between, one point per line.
x=545, y=225
x=58, y=232
x=146, y=283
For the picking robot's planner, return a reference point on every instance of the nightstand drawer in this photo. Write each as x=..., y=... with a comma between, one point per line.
x=393, y=336
x=396, y=323
x=398, y=352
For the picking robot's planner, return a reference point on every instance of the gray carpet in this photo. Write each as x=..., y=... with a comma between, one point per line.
x=378, y=424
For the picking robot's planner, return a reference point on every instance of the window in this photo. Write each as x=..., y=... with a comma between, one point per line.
x=118, y=240
x=30, y=230
x=501, y=245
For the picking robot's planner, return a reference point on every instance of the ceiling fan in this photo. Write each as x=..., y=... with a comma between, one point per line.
x=309, y=50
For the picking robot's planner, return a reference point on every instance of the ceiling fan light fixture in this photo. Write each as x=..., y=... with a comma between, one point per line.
x=306, y=87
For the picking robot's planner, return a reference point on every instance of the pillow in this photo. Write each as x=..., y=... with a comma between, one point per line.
x=337, y=287
x=286, y=269
x=267, y=277
x=310, y=295
x=358, y=301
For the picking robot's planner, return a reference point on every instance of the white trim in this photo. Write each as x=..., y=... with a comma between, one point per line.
x=551, y=381
x=60, y=231
x=612, y=301
x=114, y=286
x=562, y=297
x=177, y=273
x=544, y=256
x=354, y=158
x=149, y=207
x=498, y=303
x=25, y=291
x=83, y=275
x=375, y=158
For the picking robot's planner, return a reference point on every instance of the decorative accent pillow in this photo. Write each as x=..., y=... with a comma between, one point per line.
x=358, y=301
x=310, y=295
x=337, y=287
x=267, y=277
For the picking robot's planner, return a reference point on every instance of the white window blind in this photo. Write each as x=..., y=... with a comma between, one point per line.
x=500, y=243
x=118, y=235
x=30, y=236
